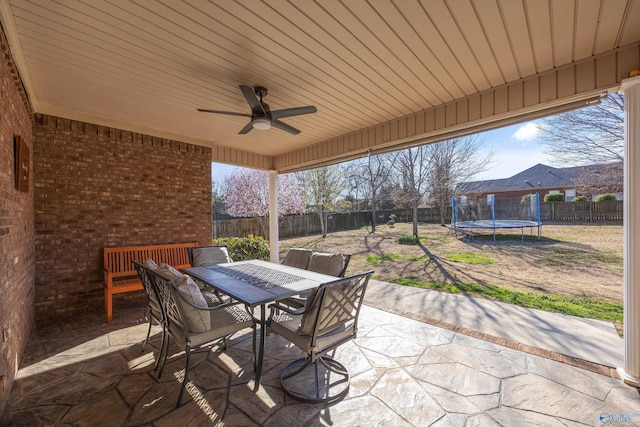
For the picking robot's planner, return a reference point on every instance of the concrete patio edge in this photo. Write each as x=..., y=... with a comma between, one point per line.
x=413, y=312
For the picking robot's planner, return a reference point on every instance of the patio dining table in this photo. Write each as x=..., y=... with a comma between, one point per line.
x=258, y=283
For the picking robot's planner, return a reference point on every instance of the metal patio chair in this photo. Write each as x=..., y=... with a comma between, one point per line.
x=203, y=256
x=328, y=320
x=331, y=264
x=156, y=311
x=194, y=326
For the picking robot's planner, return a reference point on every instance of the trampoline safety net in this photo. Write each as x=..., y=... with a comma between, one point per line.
x=489, y=213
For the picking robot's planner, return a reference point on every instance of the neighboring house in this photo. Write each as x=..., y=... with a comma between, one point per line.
x=589, y=181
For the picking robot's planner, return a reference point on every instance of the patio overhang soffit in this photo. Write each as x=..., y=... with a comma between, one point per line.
x=382, y=74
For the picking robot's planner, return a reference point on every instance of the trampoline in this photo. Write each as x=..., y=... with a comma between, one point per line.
x=480, y=215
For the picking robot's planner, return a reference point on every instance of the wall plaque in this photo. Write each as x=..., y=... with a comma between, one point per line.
x=22, y=156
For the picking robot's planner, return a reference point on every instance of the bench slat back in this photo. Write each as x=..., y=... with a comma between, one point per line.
x=118, y=260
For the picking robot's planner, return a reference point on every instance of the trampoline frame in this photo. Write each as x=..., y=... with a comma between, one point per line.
x=466, y=227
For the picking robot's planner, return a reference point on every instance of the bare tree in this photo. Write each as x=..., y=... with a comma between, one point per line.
x=454, y=161
x=356, y=190
x=414, y=168
x=372, y=172
x=322, y=188
x=588, y=135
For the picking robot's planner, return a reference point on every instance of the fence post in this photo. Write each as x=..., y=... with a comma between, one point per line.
x=590, y=211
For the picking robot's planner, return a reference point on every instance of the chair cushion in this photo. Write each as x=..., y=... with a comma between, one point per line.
x=223, y=322
x=150, y=264
x=298, y=257
x=326, y=263
x=211, y=298
x=196, y=320
x=210, y=255
x=288, y=326
x=308, y=320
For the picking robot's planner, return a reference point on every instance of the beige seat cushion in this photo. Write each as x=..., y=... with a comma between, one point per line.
x=197, y=320
x=210, y=256
x=225, y=321
x=150, y=264
x=298, y=257
x=326, y=263
x=288, y=326
x=308, y=320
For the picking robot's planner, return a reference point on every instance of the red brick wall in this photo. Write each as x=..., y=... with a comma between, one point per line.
x=97, y=186
x=17, y=256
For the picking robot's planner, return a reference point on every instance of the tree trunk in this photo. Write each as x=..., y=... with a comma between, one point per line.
x=263, y=221
x=373, y=220
x=323, y=224
x=415, y=221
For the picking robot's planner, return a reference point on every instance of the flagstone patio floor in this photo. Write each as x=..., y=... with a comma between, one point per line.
x=86, y=372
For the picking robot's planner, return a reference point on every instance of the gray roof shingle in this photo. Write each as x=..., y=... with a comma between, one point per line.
x=543, y=176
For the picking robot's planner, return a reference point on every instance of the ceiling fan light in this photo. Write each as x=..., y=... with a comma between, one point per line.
x=261, y=124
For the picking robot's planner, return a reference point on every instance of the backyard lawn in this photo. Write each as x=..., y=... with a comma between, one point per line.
x=574, y=269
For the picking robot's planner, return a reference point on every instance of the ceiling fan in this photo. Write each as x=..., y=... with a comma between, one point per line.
x=262, y=118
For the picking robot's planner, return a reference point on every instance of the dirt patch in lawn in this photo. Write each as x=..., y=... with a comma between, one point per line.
x=571, y=260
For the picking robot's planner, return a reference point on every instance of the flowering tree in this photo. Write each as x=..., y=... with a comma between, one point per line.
x=247, y=195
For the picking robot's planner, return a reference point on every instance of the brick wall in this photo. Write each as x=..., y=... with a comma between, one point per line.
x=97, y=186
x=17, y=256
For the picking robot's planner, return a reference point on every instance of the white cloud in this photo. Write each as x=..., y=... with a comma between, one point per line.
x=526, y=132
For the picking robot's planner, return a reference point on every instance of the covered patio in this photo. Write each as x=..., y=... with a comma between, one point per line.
x=103, y=145
x=405, y=372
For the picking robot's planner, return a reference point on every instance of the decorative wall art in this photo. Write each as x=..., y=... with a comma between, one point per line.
x=22, y=157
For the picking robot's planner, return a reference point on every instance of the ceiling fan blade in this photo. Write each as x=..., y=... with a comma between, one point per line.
x=288, y=112
x=229, y=113
x=252, y=100
x=246, y=129
x=285, y=127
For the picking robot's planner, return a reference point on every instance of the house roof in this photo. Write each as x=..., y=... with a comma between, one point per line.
x=383, y=74
x=546, y=177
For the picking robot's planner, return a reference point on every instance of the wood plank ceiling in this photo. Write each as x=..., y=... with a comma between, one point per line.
x=146, y=65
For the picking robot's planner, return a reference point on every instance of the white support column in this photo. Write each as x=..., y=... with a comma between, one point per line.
x=273, y=215
x=631, y=372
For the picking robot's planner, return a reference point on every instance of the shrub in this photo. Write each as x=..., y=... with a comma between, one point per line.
x=606, y=197
x=244, y=248
x=557, y=197
x=408, y=240
x=525, y=198
x=579, y=199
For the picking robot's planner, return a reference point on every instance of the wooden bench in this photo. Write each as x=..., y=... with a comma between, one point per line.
x=120, y=276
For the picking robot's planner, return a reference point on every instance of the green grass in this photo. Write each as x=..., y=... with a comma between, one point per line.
x=413, y=240
x=471, y=258
x=572, y=257
x=409, y=240
x=580, y=307
x=379, y=259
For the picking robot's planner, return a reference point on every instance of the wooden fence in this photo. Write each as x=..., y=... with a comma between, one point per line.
x=290, y=225
x=302, y=225
x=605, y=212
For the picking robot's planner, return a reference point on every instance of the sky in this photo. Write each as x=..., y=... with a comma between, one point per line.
x=516, y=147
